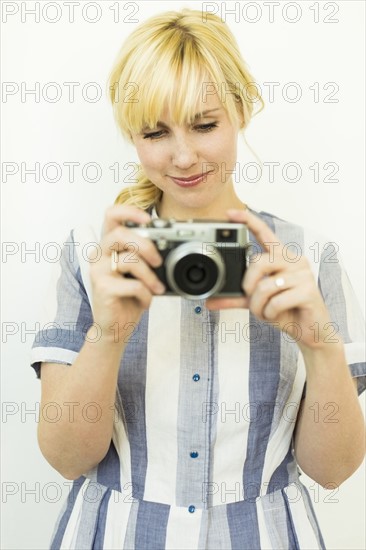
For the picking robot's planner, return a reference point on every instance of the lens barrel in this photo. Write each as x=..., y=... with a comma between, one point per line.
x=194, y=273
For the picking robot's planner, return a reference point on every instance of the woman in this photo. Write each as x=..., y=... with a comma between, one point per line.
x=188, y=420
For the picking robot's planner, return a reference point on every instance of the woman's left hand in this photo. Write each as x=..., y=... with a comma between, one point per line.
x=279, y=288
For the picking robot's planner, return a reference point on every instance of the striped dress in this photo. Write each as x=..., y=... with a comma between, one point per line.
x=206, y=404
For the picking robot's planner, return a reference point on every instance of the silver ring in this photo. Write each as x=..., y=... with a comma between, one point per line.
x=114, y=261
x=279, y=282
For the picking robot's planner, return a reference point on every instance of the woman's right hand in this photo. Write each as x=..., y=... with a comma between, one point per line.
x=117, y=299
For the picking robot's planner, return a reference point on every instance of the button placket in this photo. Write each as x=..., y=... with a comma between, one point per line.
x=196, y=377
x=193, y=465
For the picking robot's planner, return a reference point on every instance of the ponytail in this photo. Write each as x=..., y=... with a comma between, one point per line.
x=143, y=194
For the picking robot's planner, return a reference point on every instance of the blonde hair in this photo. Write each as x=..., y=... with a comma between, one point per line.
x=164, y=63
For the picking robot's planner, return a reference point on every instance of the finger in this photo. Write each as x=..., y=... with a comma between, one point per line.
x=225, y=303
x=265, y=266
x=123, y=239
x=139, y=270
x=281, y=303
x=259, y=228
x=130, y=288
x=274, y=265
x=270, y=287
x=117, y=214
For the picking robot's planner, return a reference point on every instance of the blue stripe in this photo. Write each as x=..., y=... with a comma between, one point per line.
x=69, y=337
x=214, y=317
x=264, y=376
x=85, y=317
x=293, y=542
x=284, y=474
x=358, y=370
x=243, y=525
x=100, y=532
x=57, y=539
x=264, y=372
x=192, y=475
x=108, y=470
x=151, y=525
x=312, y=516
x=72, y=340
x=132, y=385
x=214, y=532
x=92, y=500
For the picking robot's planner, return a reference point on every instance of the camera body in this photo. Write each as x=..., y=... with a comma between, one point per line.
x=202, y=258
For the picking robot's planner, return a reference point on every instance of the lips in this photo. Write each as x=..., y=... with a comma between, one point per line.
x=191, y=180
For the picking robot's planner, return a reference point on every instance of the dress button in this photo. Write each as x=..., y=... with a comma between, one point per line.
x=196, y=377
x=198, y=309
x=191, y=509
x=193, y=454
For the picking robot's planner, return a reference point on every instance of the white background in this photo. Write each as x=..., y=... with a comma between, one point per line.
x=83, y=131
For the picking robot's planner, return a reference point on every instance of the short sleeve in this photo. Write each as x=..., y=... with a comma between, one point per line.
x=67, y=313
x=344, y=310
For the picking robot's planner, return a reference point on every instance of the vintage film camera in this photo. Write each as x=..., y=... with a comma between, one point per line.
x=202, y=258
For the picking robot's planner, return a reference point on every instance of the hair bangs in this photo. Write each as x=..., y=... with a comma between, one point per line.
x=171, y=64
x=170, y=79
x=177, y=89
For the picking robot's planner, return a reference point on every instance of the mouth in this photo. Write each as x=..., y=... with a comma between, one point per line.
x=192, y=180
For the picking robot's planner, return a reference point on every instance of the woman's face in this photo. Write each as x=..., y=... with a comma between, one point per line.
x=191, y=164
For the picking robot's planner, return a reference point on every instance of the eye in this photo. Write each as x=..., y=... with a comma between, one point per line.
x=154, y=135
x=199, y=127
x=206, y=127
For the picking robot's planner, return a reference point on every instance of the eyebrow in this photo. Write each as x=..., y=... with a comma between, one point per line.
x=196, y=117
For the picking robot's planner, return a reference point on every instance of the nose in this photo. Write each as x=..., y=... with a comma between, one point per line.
x=184, y=154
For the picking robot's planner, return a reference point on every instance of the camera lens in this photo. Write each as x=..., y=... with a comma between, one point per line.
x=196, y=273
x=193, y=274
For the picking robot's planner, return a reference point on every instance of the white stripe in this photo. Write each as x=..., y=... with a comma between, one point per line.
x=53, y=355
x=280, y=440
x=233, y=406
x=355, y=320
x=72, y=528
x=162, y=396
x=355, y=352
x=303, y=528
x=183, y=529
x=118, y=512
x=265, y=543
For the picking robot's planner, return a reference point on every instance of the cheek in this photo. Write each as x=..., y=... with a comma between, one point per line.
x=142, y=153
x=224, y=145
x=151, y=158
